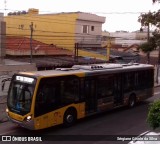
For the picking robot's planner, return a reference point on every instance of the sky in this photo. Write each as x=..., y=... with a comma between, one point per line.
x=120, y=14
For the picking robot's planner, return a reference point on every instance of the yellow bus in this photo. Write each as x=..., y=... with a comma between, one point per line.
x=41, y=99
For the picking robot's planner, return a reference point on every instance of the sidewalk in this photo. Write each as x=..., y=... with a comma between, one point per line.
x=3, y=116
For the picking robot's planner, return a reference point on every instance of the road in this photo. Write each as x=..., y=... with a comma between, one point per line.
x=94, y=129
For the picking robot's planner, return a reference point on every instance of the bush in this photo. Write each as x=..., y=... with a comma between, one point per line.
x=153, y=117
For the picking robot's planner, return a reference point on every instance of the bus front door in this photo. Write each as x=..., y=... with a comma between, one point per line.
x=118, y=92
x=90, y=96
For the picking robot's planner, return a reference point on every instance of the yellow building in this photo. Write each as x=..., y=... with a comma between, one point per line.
x=62, y=29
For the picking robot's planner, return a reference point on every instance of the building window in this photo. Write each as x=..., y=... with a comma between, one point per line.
x=85, y=29
x=21, y=26
x=92, y=28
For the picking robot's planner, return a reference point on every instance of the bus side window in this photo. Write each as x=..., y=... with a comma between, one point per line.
x=69, y=91
x=81, y=92
x=46, y=99
x=105, y=86
x=129, y=81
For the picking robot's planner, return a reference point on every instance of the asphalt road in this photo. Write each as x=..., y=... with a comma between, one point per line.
x=94, y=129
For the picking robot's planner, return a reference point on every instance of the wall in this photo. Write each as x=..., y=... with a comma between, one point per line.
x=59, y=29
x=142, y=35
x=93, y=37
x=56, y=29
x=7, y=71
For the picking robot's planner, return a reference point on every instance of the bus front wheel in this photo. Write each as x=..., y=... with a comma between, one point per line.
x=132, y=101
x=69, y=117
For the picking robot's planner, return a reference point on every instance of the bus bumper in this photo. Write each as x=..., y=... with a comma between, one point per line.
x=26, y=124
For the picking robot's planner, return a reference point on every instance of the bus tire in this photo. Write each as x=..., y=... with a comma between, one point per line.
x=132, y=101
x=70, y=117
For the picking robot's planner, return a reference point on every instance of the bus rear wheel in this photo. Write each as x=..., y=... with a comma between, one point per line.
x=70, y=117
x=132, y=101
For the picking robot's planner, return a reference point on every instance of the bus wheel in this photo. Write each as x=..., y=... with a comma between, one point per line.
x=132, y=101
x=70, y=117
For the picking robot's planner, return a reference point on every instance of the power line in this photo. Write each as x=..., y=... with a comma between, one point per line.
x=40, y=19
x=123, y=12
x=98, y=12
x=54, y=32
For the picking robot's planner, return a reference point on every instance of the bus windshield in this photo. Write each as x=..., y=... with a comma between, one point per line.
x=20, y=95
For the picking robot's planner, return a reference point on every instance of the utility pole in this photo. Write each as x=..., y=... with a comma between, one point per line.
x=31, y=28
x=108, y=48
x=158, y=43
x=76, y=52
x=148, y=36
x=5, y=6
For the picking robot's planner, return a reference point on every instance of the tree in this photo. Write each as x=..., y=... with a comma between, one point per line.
x=153, y=117
x=147, y=47
x=146, y=18
x=152, y=18
x=154, y=1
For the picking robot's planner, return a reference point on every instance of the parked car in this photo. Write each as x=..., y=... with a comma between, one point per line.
x=147, y=137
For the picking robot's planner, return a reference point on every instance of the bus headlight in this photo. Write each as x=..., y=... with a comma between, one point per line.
x=7, y=110
x=28, y=118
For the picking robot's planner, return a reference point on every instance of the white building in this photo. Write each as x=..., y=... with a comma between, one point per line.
x=126, y=39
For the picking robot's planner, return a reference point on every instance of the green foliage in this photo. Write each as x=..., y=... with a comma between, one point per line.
x=148, y=46
x=153, y=117
x=156, y=36
x=146, y=18
x=145, y=47
x=150, y=18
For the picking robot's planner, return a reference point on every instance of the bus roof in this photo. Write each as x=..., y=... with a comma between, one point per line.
x=91, y=69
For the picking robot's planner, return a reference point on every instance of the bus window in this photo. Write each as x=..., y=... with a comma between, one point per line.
x=129, y=81
x=55, y=93
x=105, y=86
x=46, y=99
x=69, y=91
x=21, y=97
x=145, y=79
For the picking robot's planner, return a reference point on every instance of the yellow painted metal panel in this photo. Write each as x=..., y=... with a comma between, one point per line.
x=56, y=117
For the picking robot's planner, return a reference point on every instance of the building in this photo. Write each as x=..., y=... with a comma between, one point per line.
x=143, y=35
x=61, y=29
x=123, y=39
x=20, y=46
x=2, y=37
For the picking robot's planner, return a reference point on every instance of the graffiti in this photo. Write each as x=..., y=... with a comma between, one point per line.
x=4, y=84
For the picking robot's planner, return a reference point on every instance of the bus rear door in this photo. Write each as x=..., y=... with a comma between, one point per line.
x=118, y=90
x=90, y=96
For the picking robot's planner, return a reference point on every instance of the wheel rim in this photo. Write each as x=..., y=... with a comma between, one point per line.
x=69, y=118
x=132, y=101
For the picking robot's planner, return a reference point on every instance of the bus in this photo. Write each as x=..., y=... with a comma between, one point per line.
x=41, y=99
